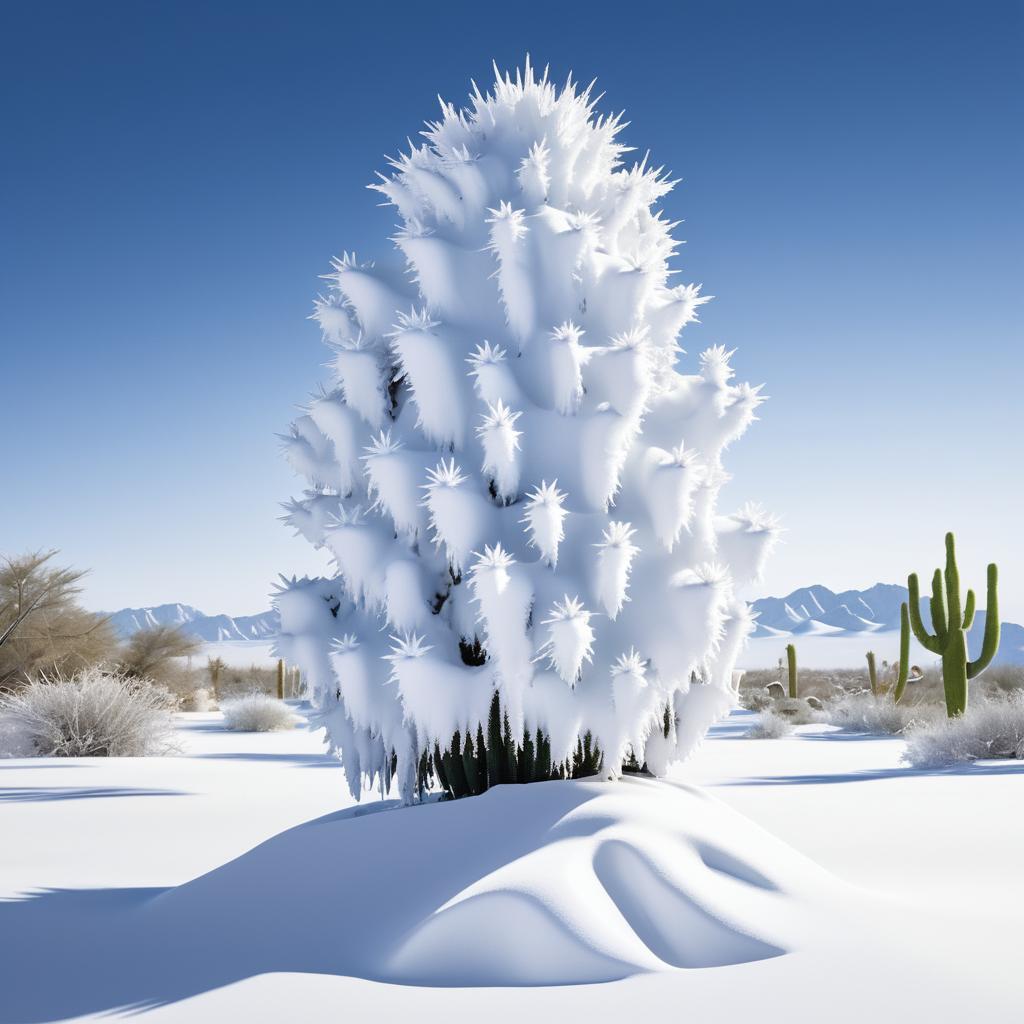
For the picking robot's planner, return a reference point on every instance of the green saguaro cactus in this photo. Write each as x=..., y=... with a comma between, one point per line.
x=951, y=621
x=791, y=659
x=872, y=673
x=903, y=665
x=879, y=686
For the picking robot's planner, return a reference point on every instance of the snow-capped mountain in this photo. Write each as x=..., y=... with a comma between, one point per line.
x=816, y=610
x=205, y=627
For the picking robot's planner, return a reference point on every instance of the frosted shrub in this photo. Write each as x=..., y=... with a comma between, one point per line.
x=990, y=728
x=864, y=712
x=256, y=712
x=770, y=726
x=93, y=714
x=518, y=487
x=201, y=700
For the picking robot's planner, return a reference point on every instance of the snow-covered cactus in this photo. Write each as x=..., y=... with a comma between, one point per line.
x=517, y=485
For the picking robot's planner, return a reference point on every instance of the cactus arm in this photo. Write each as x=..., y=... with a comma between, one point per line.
x=954, y=613
x=924, y=638
x=904, y=669
x=969, y=608
x=990, y=643
x=872, y=673
x=940, y=620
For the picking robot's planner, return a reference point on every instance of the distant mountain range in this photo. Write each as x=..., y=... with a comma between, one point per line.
x=809, y=611
x=819, y=611
x=210, y=628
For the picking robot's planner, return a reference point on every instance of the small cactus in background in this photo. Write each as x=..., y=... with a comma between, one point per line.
x=280, y=678
x=791, y=663
x=214, y=666
x=872, y=673
x=951, y=621
x=902, y=667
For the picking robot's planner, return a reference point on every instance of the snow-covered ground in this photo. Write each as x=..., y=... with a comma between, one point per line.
x=830, y=650
x=794, y=880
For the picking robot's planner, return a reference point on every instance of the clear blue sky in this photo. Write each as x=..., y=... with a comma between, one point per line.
x=176, y=175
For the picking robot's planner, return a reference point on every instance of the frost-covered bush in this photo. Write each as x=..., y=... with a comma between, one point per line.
x=864, y=712
x=200, y=700
x=256, y=712
x=93, y=714
x=990, y=728
x=770, y=726
x=518, y=487
x=755, y=700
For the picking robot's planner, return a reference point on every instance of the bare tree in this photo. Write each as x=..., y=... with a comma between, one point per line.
x=42, y=627
x=149, y=652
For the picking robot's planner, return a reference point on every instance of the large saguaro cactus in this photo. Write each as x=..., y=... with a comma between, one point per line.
x=951, y=621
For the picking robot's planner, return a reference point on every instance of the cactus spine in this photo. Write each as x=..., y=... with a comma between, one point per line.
x=951, y=621
x=791, y=659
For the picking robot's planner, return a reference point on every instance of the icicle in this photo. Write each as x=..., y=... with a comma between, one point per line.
x=429, y=364
x=338, y=325
x=670, y=480
x=500, y=442
x=504, y=598
x=493, y=378
x=459, y=516
x=392, y=481
x=544, y=517
x=745, y=540
x=614, y=557
x=533, y=175
x=508, y=243
x=373, y=299
x=360, y=375
x=570, y=639
x=565, y=362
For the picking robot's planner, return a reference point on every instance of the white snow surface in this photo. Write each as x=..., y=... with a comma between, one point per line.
x=507, y=453
x=766, y=879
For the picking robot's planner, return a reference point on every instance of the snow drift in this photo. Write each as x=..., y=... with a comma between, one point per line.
x=551, y=884
x=517, y=486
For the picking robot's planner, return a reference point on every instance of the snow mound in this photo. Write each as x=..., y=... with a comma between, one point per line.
x=553, y=883
x=606, y=879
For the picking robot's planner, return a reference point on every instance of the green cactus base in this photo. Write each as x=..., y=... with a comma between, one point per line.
x=470, y=766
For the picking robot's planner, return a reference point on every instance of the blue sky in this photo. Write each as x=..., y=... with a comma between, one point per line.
x=176, y=176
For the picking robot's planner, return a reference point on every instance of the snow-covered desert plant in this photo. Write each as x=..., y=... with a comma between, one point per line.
x=770, y=726
x=95, y=713
x=993, y=727
x=517, y=485
x=257, y=712
x=201, y=700
x=864, y=712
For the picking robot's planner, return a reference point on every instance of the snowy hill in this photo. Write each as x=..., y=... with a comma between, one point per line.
x=210, y=628
x=842, y=625
x=835, y=628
